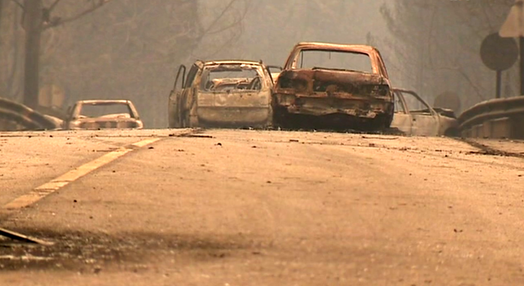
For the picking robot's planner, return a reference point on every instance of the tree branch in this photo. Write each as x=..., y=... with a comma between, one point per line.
x=18, y=3
x=206, y=31
x=52, y=7
x=59, y=21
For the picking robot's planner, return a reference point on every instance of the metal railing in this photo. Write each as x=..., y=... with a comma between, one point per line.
x=24, y=117
x=496, y=118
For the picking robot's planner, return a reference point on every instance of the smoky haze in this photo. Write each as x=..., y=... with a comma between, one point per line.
x=131, y=49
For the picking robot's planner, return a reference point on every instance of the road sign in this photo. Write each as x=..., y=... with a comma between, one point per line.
x=448, y=99
x=499, y=53
x=513, y=27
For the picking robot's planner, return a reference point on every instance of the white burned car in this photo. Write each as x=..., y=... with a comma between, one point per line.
x=229, y=94
x=414, y=116
x=102, y=114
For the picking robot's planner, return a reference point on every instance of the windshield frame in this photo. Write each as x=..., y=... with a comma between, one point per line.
x=80, y=106
x=224, y=67
x=298, y=59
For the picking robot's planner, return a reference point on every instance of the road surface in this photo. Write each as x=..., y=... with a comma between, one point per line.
x=244, y=207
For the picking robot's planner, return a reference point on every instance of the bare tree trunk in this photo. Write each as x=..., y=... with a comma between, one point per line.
x=33, y=28
x=1, y=6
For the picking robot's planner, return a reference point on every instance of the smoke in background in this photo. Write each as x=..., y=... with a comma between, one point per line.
x=132, y=48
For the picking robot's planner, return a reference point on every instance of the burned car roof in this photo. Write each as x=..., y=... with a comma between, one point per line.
x=222, y=62
x=377, y=63
x=104, y=101
x=365, y=49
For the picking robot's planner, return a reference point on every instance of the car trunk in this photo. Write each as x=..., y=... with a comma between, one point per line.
x=234, y=108
x=321, y=92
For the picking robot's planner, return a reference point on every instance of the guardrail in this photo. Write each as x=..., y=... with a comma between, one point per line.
x=23, y=117
x=496, y=118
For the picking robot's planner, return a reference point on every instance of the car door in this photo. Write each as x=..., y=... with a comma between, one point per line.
x=174, y=98
x=274, y=72
x=401, y=119
x=188, y=98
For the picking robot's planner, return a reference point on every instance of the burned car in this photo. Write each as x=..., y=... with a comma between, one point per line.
x=340, y=86
x=228, y=94
x=101, y=114
x=414, y=116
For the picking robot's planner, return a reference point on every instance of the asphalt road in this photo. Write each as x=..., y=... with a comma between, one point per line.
x=240, y=207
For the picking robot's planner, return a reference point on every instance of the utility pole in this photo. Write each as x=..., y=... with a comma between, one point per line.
x=32, y=23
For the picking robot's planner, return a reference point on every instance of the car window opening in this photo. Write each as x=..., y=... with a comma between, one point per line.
x=231, y=78
x=113, y=110
x=335, y=60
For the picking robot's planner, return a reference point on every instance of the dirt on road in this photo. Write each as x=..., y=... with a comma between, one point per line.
x=230, y=207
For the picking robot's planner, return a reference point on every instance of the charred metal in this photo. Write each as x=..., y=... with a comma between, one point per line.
x=357, y=88
x=102, y=114
x=223, y=94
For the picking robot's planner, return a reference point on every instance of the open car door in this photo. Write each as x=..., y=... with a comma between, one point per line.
x=274, y=72
x=175, y=96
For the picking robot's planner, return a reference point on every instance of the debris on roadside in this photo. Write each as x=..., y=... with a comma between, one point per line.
x=20, y=237
x=196, y=135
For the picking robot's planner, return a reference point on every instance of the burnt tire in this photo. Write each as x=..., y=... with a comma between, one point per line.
x=452, y=132
x=280, y=117
x=174, y=118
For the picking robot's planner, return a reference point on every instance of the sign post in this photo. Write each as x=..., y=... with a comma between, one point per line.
x=513, y=27
x=498, y=54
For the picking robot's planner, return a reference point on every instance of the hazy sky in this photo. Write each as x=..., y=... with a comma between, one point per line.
x=272, y=27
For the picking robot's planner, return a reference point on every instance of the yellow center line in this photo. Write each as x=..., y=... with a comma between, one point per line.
x=52, y=186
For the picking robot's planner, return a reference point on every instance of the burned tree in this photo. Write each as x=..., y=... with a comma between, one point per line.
x=437, y=46
x=37, y=18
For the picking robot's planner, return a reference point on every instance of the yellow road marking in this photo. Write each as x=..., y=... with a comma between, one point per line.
x=52, y=186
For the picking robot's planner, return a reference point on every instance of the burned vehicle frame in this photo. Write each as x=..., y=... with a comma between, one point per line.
x=414, y=116
x=221, y=94
x=122, y=115
x=352, y=91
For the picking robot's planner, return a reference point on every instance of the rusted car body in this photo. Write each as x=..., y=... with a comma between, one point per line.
x=414, y=116
x=221, y=94
x=102, y=114
x=346, y=84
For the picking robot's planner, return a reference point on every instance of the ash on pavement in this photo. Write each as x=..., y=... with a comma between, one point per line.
x=92, y=252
